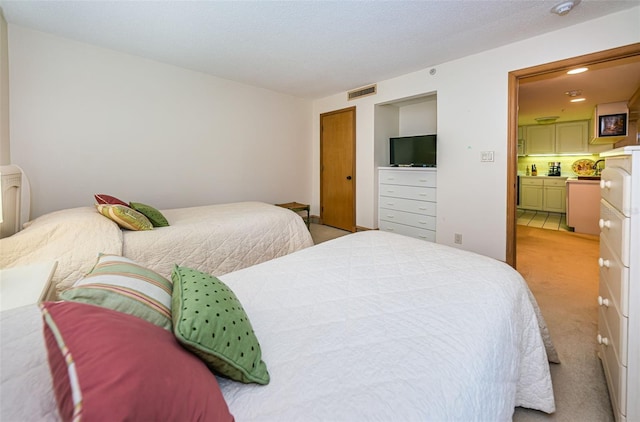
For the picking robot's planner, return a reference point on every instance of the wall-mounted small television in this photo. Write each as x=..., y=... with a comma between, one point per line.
x=414, y=151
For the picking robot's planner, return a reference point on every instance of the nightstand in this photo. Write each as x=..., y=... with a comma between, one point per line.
x=297, y=207
x=24, y=285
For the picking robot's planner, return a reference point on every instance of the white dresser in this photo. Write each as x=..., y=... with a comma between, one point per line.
x=619, y=294
x=407, y=201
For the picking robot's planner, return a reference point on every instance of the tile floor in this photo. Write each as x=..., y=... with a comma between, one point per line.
x=544, y=220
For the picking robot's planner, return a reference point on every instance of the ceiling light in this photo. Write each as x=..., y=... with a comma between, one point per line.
x=546, y=120
x=564, y=7
x=574, y=93
x=577, y=100
x=578, y=70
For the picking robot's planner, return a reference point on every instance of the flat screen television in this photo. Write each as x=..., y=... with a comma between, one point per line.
x=415, y=151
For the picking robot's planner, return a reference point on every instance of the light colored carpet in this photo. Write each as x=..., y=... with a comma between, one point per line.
x=321, y=233
x=562, y=272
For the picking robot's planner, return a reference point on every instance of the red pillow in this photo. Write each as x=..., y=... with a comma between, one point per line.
x=107, y=365
x=101, y=198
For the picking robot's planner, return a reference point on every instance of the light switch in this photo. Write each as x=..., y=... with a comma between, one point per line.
x=486, y=156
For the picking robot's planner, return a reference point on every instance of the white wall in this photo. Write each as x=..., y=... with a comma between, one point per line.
x=419, y=118
x=472, y=117
x=5, y=157
x=88, y=120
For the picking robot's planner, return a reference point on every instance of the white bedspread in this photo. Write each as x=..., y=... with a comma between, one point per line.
x=218, y=239
x=215, y=239
x=372, y=326
x=74, y=237
x=377, y=327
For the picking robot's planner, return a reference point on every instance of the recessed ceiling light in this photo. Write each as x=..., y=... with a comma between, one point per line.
x=578, y=70
x=577, y=100
x=564, y=7
x=574, y=93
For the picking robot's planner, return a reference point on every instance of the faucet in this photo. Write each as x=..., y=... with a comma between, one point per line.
x=596, y=168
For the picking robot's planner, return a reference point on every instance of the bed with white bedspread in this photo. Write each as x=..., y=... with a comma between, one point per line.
x=216, y=239
x=369, y=326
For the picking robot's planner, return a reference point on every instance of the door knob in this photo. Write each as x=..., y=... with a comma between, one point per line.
x=348, y=177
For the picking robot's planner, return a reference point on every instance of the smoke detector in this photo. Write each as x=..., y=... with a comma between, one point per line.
x=564, y=7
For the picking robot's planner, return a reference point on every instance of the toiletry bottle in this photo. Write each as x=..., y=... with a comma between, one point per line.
x=528, y=171
x=534, y=170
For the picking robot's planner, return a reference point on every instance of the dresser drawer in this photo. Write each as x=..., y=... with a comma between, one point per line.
x=615, y=275
x=408, y=177
x=409, y=205
x=423, y=234
x=615, y=187
x=408, y=218
x=531, y=181
x=616, y=373
x=620, y=162
x=555, y=182
x=615, y=227
x=617, y=325
x=408, y=192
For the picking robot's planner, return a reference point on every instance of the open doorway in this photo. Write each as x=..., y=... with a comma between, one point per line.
x=515, y=78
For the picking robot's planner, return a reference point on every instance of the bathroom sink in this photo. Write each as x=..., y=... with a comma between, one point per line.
x=588, y=177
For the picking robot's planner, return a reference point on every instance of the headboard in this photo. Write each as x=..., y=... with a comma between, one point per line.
x=14, y=200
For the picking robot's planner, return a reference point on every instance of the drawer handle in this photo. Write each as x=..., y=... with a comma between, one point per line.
x=390, y=191
x=605, y=184
x=389, y=216
x=423, y=180
x=391, y=178
x=604, y=262
x=603, y=301
x=423, y=194
x=422, y=222
x=603, y=340
x=604, y=223
x=391, y=204
x=422, y=208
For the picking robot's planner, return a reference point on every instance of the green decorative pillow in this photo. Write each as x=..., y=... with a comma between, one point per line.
x=118, y=283
x=126, y=217
x=155, y=216
x=209, y=320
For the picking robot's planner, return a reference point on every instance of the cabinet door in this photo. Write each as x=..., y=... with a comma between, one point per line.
x=531, y=197
x=555, y=199
x=572, y=137
x=540, y=139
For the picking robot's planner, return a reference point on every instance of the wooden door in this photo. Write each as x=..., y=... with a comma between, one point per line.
x=337, y=169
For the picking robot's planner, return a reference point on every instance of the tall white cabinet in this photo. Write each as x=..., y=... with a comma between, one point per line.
x=619, y=293
x=407, y=201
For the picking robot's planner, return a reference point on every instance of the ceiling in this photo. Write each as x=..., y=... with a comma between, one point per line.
x=308, y=49
x=608, y=82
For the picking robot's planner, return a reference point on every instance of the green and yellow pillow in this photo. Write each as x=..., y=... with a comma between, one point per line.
x=125, y=217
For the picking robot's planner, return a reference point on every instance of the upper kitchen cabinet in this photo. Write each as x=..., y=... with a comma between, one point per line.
x=540, y=139
x=572, y=137
x=559, y=138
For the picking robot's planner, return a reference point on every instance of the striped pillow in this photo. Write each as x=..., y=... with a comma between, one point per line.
x=125, y=217
x=118, y=283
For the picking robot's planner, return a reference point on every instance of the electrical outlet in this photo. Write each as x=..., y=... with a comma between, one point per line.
x=457, y=238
